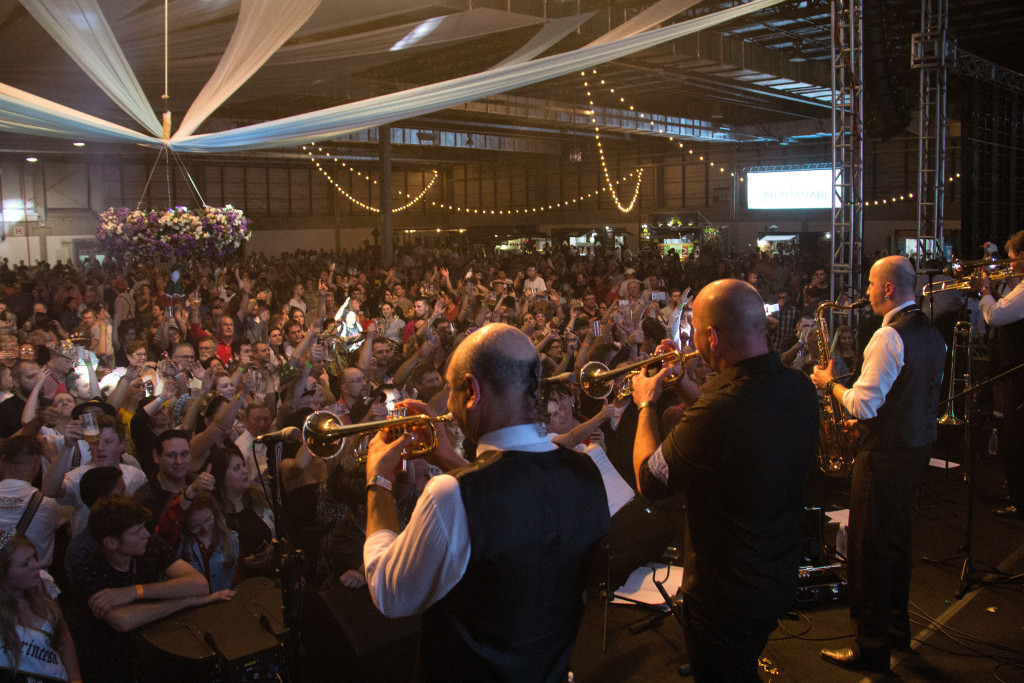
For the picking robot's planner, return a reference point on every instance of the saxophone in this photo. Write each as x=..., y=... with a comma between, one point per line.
x=835, y=450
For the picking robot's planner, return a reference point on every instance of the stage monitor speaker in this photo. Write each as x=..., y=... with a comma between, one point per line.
x=347, y=638
x=238, y=640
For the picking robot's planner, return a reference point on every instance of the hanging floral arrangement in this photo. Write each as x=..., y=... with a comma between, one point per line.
x=176, y=233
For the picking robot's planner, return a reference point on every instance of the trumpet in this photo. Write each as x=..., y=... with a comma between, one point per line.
x=964, y=283
x=323, y=433
x=596, y=379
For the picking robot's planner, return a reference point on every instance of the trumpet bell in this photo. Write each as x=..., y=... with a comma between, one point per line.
x=591, y=381
x=319, y=433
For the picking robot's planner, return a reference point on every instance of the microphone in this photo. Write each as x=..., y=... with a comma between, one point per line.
x=565, y=377
x=286, y=435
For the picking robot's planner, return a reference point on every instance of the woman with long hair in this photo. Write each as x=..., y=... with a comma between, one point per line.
x=36, y=642
x=193, y=523
x=844, y=346
x=245, y=507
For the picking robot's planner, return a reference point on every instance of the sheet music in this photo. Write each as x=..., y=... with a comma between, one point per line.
x=640, y=584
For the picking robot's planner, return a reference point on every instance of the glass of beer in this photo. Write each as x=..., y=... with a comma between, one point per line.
x=90, y=432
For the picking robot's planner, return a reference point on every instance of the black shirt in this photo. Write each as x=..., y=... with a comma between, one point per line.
x=104, y=653
x=742, y=453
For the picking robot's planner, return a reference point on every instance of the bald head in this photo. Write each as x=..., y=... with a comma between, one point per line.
x=503, y=360
x=734, y=309
x=899, y=272
x=735, y=312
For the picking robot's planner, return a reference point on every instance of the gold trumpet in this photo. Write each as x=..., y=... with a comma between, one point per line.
x=596, y=379
x=323, y=433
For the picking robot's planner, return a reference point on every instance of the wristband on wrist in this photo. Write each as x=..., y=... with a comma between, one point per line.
x=645, y=404
x=138, y=591
x=830, y=387
x=188, y=497
x=380, y=482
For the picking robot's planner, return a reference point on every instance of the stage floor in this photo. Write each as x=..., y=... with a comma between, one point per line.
x=977, y=638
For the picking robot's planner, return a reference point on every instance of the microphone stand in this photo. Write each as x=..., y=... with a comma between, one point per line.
x=969, y=576
x=290, y=562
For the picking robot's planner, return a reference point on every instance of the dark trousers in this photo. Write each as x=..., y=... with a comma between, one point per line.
x=723, y=648
x=1011, y=436
x=881, y=502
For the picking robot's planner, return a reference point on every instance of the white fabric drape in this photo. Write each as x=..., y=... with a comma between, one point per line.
x=552, y=32
x=356, y=116
x=25, y=113
x=436, y=32
x=81, y=29
x=648, y=19
x=22, y=112
x=262, y=28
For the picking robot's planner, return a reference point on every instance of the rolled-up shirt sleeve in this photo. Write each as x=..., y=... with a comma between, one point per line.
x=883, y=360
x=1008, y=309
x=408, y=572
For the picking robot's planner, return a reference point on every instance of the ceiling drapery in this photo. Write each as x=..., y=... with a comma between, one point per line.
x=26, y=113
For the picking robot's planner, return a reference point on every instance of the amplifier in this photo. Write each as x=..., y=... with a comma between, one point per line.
x=820, y=586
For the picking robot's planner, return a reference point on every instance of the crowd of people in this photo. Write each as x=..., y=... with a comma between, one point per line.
x=133, y=400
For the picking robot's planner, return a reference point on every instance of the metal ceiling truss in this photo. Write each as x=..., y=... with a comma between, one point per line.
x=932, y=54
x=847, y=145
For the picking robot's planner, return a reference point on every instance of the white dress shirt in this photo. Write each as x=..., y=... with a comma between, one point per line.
x=883, y=360
x=15, y=495
x=1005, y=311
x=408, y=572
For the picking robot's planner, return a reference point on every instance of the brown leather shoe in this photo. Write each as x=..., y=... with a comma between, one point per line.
x=876, y=661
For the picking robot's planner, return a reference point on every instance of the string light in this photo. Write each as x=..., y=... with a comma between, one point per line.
x=624, y=208
x=537, y=209
x=412, y=199
x=710, y=162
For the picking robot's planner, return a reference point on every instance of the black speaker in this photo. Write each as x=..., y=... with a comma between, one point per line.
x=347, y=638
x=887, y=74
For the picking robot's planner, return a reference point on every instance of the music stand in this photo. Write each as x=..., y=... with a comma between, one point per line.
x=969, y=576
x=671, y=605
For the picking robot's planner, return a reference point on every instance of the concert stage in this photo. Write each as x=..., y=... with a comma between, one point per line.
x=954, y=640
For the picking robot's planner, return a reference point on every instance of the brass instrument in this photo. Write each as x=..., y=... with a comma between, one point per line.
x=964, y=283
x=960, y=267
x=835, y=450
x=323, y=433
x=959, y=377
x=596, y=379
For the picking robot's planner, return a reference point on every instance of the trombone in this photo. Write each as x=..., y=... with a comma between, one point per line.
x=596, y=380
x=963, y=342
x=964, y=282
x=323, y=433
x=959, y=266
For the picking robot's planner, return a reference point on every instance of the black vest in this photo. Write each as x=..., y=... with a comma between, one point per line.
x=533, y=518
x=907, y=419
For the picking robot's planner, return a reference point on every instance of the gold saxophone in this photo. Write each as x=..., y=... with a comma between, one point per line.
x=835, y=449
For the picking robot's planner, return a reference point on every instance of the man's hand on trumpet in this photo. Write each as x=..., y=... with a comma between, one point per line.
x=649, y=388
x=384, y=458
x=444, y=455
